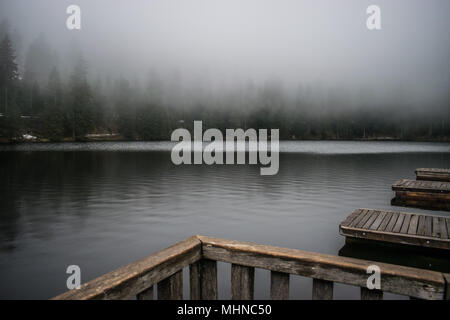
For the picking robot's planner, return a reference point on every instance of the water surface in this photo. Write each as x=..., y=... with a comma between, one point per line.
x=103, y=205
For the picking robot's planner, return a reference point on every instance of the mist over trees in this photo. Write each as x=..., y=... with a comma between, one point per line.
x=66, y=102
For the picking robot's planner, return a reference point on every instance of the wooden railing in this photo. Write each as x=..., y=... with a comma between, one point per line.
x=165, y=269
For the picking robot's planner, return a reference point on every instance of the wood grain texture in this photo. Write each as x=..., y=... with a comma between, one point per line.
x=242, y=282
x=434, y=174
x=132, y=279
x=171, y=288
x=409, y=229
x=208, y=279
x=146, y=294
x=322, y=290
x=279, y=285
x=396, y=279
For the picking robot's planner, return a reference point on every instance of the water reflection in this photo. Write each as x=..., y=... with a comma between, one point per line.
x=102, y=209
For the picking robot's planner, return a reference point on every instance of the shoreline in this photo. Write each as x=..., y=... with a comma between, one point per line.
x=121, y=139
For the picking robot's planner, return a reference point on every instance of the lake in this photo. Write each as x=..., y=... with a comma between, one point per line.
x=105, y=204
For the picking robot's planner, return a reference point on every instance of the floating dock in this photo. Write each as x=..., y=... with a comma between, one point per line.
x=433, y=174
x=422, y=194
x=398, y=227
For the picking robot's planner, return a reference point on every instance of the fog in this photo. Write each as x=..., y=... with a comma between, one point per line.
x=215, y=48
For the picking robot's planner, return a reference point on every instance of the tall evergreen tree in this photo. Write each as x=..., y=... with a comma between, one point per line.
x=8, y=86
x=80, y=101
x=53, y=116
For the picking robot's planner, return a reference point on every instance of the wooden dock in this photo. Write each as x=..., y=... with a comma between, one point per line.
x=422, y=194
x=398, y=227
x=200, y=254
x=434, y=174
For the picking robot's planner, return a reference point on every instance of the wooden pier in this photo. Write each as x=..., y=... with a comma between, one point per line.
x=398, y=227
x=433, y=174
x=422, y=194
x=200, y=254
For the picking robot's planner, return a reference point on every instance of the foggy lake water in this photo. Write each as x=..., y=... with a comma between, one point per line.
x=104, y=205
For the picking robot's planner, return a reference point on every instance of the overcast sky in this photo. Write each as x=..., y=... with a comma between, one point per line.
x=322, y=42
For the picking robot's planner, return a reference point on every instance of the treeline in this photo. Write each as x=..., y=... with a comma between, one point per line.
x=35, y=99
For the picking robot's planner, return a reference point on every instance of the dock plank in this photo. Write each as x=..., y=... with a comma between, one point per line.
x=413, y=224
x=421, y=226
x=398, y=224
x=443, y=227
x=371, y=220
x=376, y=224
x=405, y=225
x=401, y=228
x=364, y=219
x=361, y=216
x=392, y=222
x=428, y=226
x=385, y=221
x=352, y=217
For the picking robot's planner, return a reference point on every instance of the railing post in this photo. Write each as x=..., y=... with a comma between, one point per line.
x=447, y=286
x=147, y=294
x=203, y=280
x=367, y=294
x=322, y=290
x=171, y=288
x=195, y=281
x=279, y=285
x=242, y=282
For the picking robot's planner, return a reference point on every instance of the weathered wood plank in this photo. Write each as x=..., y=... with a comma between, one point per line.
x=367, y=294
x=436, y=232
x=392, y=222
x=208, y=279
x=447, y=285
x=396, y=279
x=242, y=282
x=279, y=285
x=358, y=219
x=370, y=220
x=195, y=285
x=428, y=226
x=171, y=288
x=146, y=294
x=412, y=229
x=434, y=174
x=443, y=227
x=130, y=280
x=322, y=290
x=421, y=186
x=421, y=226
x=385, y=221
x=399, y=223
x=378, y=220
x=405, y=225
x=352, y=217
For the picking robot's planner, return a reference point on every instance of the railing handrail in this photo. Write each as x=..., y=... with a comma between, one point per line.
x=397, y=279
x=132, y=279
